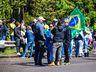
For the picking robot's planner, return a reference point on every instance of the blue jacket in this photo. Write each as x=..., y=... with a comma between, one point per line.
x=48, y=36
x=29, y=36
x=3, y=30
x=39, y=31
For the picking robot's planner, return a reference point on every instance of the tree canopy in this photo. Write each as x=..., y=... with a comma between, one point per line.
x=30, y=9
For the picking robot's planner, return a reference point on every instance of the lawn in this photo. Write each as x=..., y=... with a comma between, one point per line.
x=8, y=52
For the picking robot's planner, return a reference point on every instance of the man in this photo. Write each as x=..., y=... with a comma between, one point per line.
x=3, y=30
x=39, y=41
x=11, y=28
x=17, y=35
x=58, y=38
x=67, y=41
x=32, y=24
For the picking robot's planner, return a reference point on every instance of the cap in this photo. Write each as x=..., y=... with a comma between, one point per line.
x=66, y=20
x=55, y=19
x=41, y=18
x=12, y=19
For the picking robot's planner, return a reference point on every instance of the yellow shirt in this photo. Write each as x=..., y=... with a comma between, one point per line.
x=11, y=28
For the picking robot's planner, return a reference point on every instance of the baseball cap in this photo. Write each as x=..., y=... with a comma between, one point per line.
x=41, y=18
x=66, y=20
x=55, y=19
x=12, y=19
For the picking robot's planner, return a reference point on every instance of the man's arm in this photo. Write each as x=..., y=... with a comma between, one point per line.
x=42, y=32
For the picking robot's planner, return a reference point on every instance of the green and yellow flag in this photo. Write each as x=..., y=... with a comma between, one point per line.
x=76, y=22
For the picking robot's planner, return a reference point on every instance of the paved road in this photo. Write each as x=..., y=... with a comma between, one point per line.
x=15, y=64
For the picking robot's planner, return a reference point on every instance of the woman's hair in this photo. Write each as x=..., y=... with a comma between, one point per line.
x=29, y=28
x=17, y=23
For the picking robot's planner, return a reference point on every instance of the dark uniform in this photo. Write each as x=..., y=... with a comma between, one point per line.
x=39, y=43
x=67, y=42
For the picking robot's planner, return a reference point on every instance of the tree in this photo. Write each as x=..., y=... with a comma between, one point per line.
x=49, y=8
x=29, y=9
x=5, y=9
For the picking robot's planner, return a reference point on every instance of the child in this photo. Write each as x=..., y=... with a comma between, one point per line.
x=30, y=41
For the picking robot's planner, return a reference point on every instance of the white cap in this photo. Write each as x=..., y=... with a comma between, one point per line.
x=66, y=20
x=41, y=18
x=55, y=19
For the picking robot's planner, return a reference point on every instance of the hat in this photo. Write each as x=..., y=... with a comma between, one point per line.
x=41, y=18
x=12, y=19
x=66, y=20
x=55, y=19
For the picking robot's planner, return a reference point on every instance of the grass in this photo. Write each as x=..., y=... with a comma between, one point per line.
x=8, y=52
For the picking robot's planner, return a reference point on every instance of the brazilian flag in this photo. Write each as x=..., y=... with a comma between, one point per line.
x=76, y=22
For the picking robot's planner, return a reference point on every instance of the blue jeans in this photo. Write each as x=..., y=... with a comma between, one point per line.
x=4, y=37
x=1, y=38
x=28, y=45
x=12, y=38
x=49, y=52
x=62, y=51
x=70, y=48
x=86, y=45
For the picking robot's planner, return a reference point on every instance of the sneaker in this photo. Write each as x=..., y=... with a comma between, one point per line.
x=18, y=54
x=66, y=63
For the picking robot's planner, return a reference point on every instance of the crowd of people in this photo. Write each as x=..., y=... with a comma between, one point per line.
x=55, y=39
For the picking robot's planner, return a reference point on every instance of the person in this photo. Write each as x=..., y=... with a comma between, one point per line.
x=67, y=41
x=23, y=40
x=94, y=44
x=48, y=42
x=3, y=30
x=58, y=38
x=32, y=24
x=30, y=41
x=17, y=35
x=39, y=41
x=79, y=44
x=87, y=37
x=11, y=28
x=55, y=22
